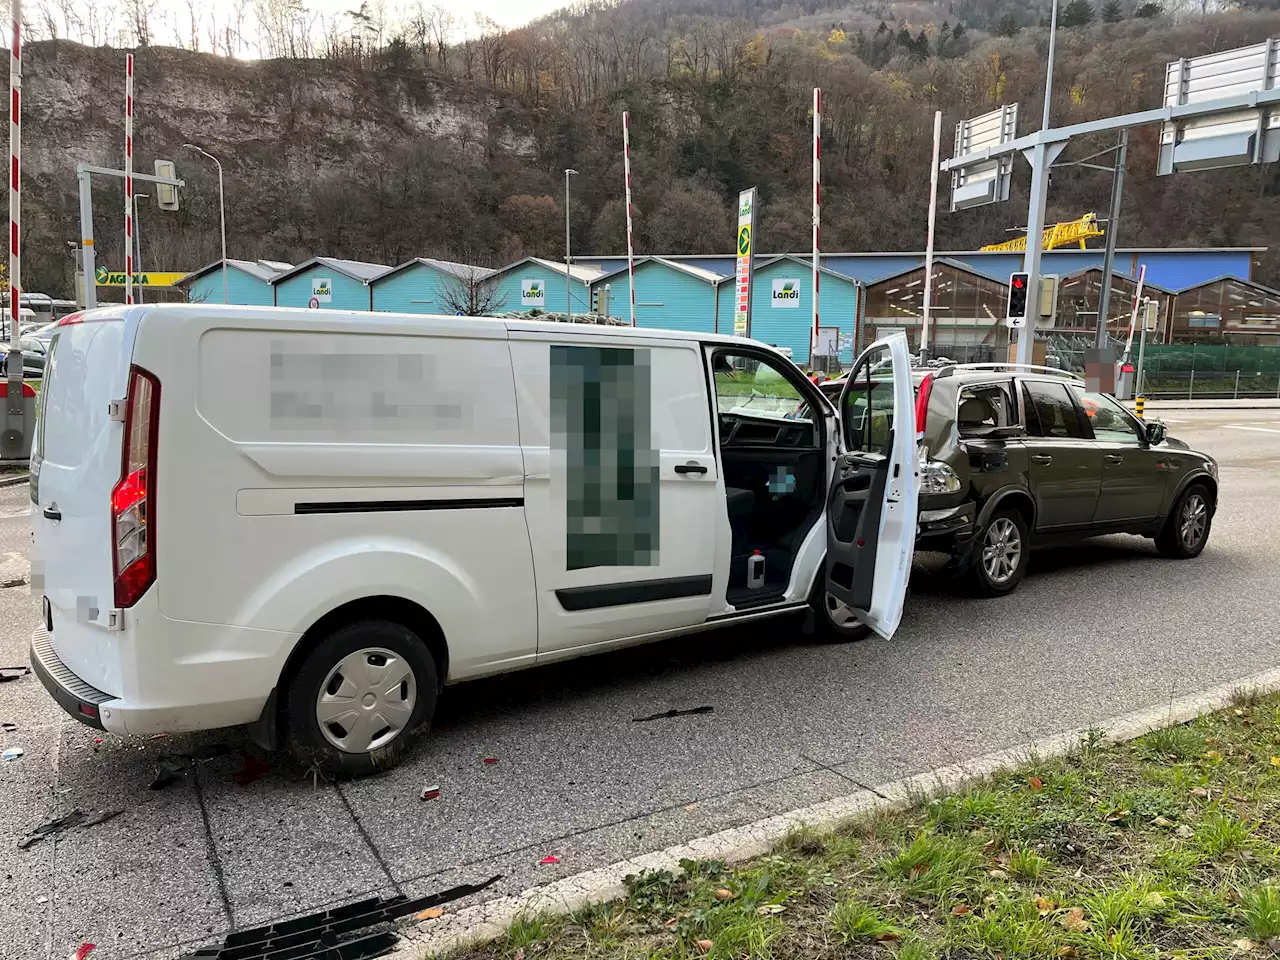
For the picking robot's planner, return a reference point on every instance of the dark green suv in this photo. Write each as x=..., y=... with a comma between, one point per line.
x=1013, y=458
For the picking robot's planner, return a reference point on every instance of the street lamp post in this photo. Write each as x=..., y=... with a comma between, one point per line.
x=222, y=215
x=568, y=257
x=137, y=238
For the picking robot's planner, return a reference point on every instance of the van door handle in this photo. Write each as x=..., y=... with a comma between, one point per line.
x=1113, y=458
x=1043, y=458
x=52, y=512
x=690, y=467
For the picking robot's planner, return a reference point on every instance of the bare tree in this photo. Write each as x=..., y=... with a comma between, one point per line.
x=469, y=292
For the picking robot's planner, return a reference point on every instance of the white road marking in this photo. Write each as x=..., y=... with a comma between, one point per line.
x=1236, y=426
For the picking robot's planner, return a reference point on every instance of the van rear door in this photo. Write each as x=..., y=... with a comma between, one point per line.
x=75, y=464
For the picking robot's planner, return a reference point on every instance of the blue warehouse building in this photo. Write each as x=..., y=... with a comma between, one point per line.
x=782, y=306
x=669, y=295
x=332, y=284
x=1203, y=295
x=248, y=282
x=537, y=284
x=423, y=285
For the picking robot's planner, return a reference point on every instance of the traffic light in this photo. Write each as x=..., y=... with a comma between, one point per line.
x=1017, y=312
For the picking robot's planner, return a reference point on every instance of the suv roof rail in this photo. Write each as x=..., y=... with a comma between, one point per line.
x=1006, y=365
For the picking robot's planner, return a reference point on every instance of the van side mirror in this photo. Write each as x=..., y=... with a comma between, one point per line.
x=1156, y=432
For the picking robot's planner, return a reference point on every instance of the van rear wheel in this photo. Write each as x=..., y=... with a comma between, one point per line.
x=360, y=697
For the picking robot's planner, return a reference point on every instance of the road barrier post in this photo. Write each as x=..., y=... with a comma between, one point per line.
x=1237, y=393
x=1139, y=405
x=1191, y=387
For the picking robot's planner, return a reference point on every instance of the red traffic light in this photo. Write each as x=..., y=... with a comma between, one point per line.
x=1018, y=283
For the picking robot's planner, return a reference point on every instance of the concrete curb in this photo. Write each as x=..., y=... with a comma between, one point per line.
x=487, y=921
x=13, y=481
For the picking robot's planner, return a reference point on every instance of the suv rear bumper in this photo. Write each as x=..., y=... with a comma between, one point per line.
x=946, y=528
x=82, y=701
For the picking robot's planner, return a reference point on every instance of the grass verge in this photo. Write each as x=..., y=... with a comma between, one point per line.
x=1166, y=846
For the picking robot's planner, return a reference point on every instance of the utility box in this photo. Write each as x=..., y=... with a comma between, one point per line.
x=15, y=444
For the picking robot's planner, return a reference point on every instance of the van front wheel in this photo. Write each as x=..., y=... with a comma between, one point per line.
x=360, y=697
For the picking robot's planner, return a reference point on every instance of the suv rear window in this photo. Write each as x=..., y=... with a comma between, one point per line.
x=985, y=407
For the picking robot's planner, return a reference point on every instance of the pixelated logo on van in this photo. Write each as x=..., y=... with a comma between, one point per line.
x=602, y=440
x=355, y=395
x=533, y=293
x=786, y=293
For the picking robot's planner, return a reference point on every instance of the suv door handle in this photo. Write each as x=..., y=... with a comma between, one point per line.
x=1041, y=458
x=690, y=467
x=52, y=512
x=1113, y=458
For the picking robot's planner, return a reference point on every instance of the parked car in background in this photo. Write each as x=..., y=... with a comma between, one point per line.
x=33, y=358
x=1016, y=458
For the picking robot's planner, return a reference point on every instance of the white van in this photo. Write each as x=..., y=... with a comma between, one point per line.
x=310, y=522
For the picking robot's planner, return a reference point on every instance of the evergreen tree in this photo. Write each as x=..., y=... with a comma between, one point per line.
x=1077, y=13
x=1148, y=10
x=1112, y=12
x=1008, y=26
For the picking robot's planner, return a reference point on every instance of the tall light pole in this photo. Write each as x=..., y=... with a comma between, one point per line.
x=222, y=215
x=1040, y=162
x=568, y=257
x=137, y=238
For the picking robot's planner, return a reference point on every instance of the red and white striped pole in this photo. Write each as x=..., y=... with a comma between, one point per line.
x=631, y=251
x=817, y=211
x=128, y=180
x=15, y=179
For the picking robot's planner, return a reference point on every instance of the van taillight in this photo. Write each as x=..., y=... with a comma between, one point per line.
x=133, y=499
x=922, y=403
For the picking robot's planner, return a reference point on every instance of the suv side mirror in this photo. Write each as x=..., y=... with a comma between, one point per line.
x=1156, y=432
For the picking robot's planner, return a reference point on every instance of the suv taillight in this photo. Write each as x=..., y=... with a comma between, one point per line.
x=922, y=403
x=133, y=499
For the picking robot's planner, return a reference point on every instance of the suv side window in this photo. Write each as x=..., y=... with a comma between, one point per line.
x=1110, y=421
x=985, y=407
x=1050, y=411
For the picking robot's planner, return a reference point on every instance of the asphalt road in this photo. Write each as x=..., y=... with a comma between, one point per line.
x=1092, y=632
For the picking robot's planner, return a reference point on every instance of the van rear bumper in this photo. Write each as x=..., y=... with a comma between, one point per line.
x=78, y=698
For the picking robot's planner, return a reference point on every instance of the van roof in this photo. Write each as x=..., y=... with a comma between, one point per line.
x=364, y=320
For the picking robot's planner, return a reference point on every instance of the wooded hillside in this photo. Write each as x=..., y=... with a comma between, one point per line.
x=409, y=147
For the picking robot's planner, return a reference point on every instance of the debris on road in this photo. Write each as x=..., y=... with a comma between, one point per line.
x=691, y=712
x=167, y=772
x=83, y=951
x=8, y=727
x=252, y=771
x=12, y=753
x=431, y=793
x=77, y=819
x=13, y=673
x=431, y=913
x=548, y=860
x=490, y=761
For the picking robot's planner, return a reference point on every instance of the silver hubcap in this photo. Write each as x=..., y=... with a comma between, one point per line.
x=1001, y=550
x=1193, y=520
x=367, y=700
x=841, y=614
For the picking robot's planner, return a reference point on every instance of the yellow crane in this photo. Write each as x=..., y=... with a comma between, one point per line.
x=1058, y=235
